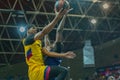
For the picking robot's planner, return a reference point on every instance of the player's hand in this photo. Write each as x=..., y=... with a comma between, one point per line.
x=70, y=55
x=68, y=11
x=61, y=13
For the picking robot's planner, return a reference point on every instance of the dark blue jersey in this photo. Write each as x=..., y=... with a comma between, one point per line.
x=52, y=60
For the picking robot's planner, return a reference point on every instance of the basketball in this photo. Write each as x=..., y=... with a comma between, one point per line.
x=61, y=4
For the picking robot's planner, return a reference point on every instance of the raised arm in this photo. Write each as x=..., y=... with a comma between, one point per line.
x=60, y=28
x=50, y=26
x=46, y=40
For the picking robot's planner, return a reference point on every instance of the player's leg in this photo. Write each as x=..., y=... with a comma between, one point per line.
x=58, y=72
x=55, y=73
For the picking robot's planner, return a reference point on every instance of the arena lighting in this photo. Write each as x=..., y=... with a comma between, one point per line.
x=95, y=1
x=68, y=67
x=93, y=21
x=105, y=6
x=22, y=29
x=71, y=79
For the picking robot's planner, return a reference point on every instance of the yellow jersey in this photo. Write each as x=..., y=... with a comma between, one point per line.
x=34, y=60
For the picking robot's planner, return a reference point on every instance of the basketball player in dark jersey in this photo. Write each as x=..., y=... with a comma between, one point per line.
x=57, y=46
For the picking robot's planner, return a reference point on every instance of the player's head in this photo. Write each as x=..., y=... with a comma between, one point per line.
x=31, y=29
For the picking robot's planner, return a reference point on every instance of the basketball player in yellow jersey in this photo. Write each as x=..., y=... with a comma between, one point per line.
x=34, y=53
